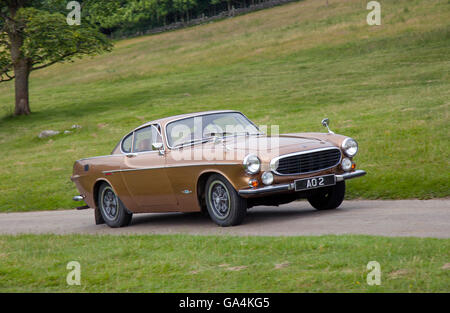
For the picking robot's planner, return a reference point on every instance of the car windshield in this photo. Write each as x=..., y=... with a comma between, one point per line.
x=204, y=127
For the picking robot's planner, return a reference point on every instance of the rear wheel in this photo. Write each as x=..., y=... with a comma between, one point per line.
x=328, y=198
x=225, y=206
x=112, y=209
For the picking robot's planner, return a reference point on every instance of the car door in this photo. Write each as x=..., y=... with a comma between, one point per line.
x=144, y=172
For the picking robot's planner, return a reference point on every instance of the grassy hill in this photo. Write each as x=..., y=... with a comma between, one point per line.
x=386, y=86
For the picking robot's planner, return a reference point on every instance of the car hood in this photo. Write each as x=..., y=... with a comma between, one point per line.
x=268, y=147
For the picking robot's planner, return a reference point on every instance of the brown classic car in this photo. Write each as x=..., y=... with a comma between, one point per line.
x=216, y=162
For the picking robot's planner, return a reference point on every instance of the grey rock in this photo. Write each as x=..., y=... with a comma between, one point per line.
x=76, y=126
x=48, y=133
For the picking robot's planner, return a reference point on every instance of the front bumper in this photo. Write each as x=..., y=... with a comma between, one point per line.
x=290, y=186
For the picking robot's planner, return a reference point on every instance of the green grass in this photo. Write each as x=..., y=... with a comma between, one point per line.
x=292, y=65
x=178, y=263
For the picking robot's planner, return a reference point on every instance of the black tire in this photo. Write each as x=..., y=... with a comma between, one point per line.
x=328, y=198
x=225, y=206
x=113, y=211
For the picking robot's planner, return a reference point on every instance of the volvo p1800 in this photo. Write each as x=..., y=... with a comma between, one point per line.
x=217, y=162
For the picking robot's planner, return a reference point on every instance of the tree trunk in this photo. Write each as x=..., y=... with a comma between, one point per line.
x=22, y=73
x=22, y=65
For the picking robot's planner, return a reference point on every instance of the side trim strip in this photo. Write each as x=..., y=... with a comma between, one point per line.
x=167, y=166
x=102, y=156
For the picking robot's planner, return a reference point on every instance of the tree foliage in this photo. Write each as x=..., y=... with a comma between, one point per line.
x=35, y=34
x=132, y=16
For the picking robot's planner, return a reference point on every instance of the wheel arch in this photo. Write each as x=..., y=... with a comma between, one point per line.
x=96, y=188
x=201, y=183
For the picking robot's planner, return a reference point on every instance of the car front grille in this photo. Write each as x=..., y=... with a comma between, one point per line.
x=307, y=162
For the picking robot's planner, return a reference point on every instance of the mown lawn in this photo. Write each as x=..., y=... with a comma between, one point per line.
x=292, y=65
x=183, y=263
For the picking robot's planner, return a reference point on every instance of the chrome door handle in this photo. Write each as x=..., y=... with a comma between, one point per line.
x=131, y=155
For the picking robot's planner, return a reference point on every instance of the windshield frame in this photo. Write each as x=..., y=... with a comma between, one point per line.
x=203, y=140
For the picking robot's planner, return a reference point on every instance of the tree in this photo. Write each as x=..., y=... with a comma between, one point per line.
x=183, y=6
x=227, y=1
x=34, y=35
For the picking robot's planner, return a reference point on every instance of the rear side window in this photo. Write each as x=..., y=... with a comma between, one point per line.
x=126, y=143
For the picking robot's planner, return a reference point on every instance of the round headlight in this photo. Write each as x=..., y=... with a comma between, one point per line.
x=350, y=147
x=252, y=164
x=267, y=178
x=346, y=164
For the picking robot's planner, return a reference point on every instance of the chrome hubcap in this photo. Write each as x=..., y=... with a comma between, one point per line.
x=219, y=199
x=110, y=203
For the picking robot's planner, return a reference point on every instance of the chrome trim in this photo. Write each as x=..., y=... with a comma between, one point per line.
x=102, y=156
x=355, y=174
x=267, y=189
x=167, y=166
x=78, y=198
x=291, y=186
x=205, y=114
x=305, y=152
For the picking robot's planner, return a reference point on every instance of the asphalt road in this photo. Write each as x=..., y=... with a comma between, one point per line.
x=418, y=218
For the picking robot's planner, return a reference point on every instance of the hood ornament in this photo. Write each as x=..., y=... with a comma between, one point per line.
x=325, y=123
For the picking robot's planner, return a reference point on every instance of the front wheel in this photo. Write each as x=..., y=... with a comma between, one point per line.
x=112, y=209
x=225, y=206
x=328, y=198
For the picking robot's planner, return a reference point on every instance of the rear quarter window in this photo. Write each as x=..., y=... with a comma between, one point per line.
x=126, y=143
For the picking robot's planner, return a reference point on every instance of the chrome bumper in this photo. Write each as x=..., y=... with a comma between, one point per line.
x=78, y=198
x=290, y=186
x=357, y=173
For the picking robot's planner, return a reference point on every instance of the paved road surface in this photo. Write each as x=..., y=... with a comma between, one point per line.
x=418, y=218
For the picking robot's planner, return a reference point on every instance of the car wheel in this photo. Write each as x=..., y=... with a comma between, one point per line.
x=225, y=206
x=328, y=198
x=112, y=209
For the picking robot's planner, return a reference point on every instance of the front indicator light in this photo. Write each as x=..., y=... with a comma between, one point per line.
x=253, y=183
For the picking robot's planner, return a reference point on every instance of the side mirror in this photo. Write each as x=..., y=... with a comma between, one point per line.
x=325, y=123
x=158, y=146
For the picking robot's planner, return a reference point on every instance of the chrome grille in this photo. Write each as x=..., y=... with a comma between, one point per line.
x=307, y=162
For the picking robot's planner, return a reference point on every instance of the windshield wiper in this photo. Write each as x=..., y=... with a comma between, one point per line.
x=210, y=135
x=191, y=142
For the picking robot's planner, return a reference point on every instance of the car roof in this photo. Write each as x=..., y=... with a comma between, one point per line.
x=165, y=120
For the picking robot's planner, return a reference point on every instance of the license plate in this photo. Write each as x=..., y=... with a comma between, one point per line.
x=315, y=182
